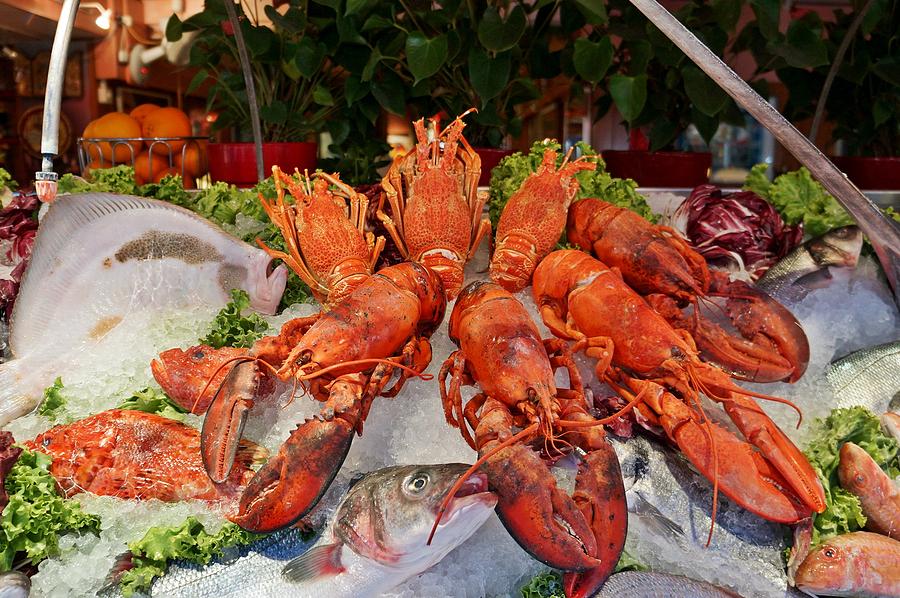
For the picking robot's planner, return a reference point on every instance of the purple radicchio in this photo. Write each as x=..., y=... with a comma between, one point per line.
x=738, y=231
x=18, y=226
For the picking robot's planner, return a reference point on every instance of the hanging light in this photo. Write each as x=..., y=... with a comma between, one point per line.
x=102, y=21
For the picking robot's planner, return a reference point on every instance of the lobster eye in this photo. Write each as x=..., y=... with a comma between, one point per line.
x=417, y=483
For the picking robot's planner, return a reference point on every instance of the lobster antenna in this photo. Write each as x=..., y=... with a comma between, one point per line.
x=707, y=427
x=455, y=488
x=372, y=360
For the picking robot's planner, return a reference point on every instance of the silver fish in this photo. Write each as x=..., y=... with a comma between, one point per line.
x=649, y=584
x=869, y=377
x=839, y=247
x=14, y=584
x=745, y=554
x=375, y=540
x=99, y=259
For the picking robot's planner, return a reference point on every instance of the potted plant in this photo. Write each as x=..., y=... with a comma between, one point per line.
x=846, y=70
x=297, y=88
x=451, y=57
x=657, y=89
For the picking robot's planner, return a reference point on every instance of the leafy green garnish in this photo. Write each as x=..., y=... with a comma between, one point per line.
x=155, y=401
x=549, y=584
x=118, y=179
x=189, y=541
x=799, y=198
x=891, y=213
x=6, y=180
x=231, y=329
x=53, y=400
x=843, y=512
x=170, y=188
x=37, y=515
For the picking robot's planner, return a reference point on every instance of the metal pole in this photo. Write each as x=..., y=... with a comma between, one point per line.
x=883, y=234
x=46, y=179
x=251, y=87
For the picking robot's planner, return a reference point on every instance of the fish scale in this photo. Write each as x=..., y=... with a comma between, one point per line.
x=869, y=378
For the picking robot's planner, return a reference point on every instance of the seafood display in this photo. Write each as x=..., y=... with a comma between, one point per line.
x=435, y=207
x=132, y=454
x=501, y=350
x=868, y=377
x=859, y=564
x=582, y=300
x=878, y=495
x=99, y=261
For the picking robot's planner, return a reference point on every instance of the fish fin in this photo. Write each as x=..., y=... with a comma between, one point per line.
x=40, y=288
x=319, y=561
x=654, y=518
x=249, y=453
x=21, y=386
x=123, y=562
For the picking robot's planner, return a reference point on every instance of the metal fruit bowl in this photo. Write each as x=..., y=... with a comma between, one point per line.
x=92, y=151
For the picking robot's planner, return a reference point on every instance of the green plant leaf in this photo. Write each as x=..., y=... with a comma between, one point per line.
x=425, y=56
x=309, y=57
x=640, y=52
x=593, y=11
x=727, y=13
x=197, y=81
x=497, y=34
x=706, y=125
x=703, y=92
x=489, y=76
x=768, y=15
x=283, y=22
x=592, y=59
x=359, y=6
x=335, y=4
x=662, y=133
x=275, y=113
x=389, y=91
x=377, y=22
x=322, y=96
x=259, y=39
x=881, y=111
x=629, y=94
x=354, y=90
x=174, y=29
x=802, y=48
x=888, y=68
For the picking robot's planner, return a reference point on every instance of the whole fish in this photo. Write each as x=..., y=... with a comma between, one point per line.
x=374, y=541
x=101, y=258
x=839, y=247
x=877, y=493
x=869, y=377
x=132, y=454
x=649, y=584
x=669, y=517
x=860, y=564
x=14, y=584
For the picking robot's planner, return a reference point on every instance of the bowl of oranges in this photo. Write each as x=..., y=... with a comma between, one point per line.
x=155, y=140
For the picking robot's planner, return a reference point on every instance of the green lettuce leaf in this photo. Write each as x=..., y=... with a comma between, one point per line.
x=799, y=198
x=6, y=180
x=37, y=515
x=549, y=584
x=118, y=179
x=508, y=176
x=189, y=541
x=53, y=402
x=155, y=401
x=843, y=512
x=231, y=329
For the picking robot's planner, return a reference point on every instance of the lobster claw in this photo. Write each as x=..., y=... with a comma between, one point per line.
x=292, y=482
x=184, y=373
x=600, y=494
x=776, y=347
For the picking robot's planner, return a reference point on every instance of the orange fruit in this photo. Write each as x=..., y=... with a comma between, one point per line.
x=91, y=149
x=118, y=124
x=139, y=113
x=167, y=122
x=146, y=167
x=187, y=180
x=193, y=159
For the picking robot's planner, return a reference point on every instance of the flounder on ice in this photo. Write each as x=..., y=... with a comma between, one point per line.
x=100, y=258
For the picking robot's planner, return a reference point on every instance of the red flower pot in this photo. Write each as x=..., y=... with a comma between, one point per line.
x=235, y=163
x=871, y=173
x=659, y=169
x=490, y=157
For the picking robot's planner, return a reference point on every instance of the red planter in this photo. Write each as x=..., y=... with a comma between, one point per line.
x=871, y=173
x=659, y=169
x=490, y=157
x=235, y=163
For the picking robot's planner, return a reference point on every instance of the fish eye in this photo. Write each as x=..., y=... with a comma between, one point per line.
x=860, y=479
x=417, y=483
x=829, y=552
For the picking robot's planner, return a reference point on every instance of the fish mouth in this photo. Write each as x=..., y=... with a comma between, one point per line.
x=474, y=491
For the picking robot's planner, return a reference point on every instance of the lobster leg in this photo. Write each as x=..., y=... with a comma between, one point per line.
x=545, y=521
x=291, y=483
x=721, y=457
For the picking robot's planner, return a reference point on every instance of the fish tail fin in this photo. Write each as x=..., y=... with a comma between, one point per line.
x=319, y=561
x=249, y=453
x=16, y=396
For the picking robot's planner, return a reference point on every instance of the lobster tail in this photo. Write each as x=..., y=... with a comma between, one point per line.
x=514, y=262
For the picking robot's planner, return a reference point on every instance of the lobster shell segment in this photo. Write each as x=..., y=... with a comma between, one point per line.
x=534, y=218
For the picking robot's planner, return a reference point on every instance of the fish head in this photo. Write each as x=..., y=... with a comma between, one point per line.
x=388, y=515
x=857, y=470
x=827, y=569
x=264, y=286
x=838, y=247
